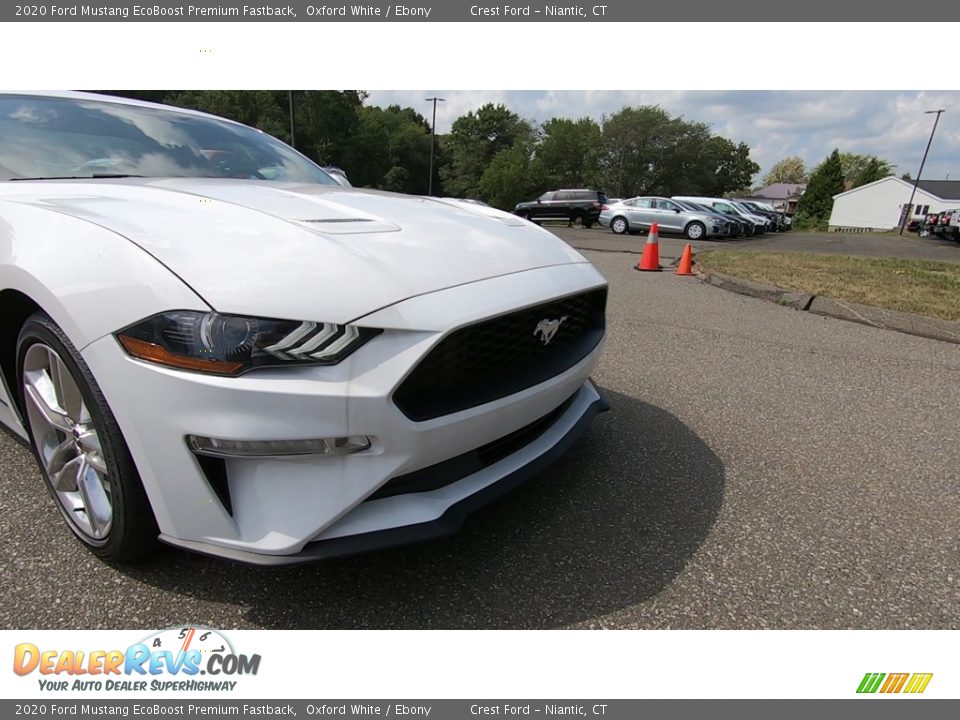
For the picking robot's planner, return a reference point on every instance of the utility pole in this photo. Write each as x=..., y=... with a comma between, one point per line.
x=909, y=208
x=433, y=135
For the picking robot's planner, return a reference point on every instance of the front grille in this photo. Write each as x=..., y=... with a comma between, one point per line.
x=456, y=468
x=501, y=356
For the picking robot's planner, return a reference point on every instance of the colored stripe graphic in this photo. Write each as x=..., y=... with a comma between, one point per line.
x=894, y=682
x=870, y=682
x=918, y=682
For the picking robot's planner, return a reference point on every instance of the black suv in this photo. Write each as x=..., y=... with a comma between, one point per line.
x=569, y=205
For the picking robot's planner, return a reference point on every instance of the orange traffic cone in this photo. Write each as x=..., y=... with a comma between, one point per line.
x=686, y=262
x=650, y=260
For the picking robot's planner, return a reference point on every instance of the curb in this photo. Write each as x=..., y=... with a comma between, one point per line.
x=770, y=293
x=932, y=328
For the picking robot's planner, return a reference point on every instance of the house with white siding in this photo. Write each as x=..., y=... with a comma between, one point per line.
x=880, y=205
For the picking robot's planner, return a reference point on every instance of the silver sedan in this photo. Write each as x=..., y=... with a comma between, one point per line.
x=640, y=213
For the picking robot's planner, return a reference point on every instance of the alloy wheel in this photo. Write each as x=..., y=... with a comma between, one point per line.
x=67, y=442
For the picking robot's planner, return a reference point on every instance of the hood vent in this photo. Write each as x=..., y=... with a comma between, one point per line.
x=347, y=225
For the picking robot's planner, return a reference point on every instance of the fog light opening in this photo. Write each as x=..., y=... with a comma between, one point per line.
x=216, y=447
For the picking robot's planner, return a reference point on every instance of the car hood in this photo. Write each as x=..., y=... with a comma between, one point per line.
x=316, y=252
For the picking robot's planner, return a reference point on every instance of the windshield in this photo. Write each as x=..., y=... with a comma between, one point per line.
x=706, y=208
x=66, y=137
x=690, y=206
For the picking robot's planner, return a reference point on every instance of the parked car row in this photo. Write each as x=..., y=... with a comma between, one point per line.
x=694, y=217
x=782, y=220
x=945, y=224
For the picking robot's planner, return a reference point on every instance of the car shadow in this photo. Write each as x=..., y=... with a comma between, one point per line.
x=609, y=526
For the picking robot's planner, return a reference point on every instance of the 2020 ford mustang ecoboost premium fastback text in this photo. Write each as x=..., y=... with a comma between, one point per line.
x=209, y=341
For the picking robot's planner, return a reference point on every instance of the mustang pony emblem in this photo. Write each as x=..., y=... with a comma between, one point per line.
x=546, y=329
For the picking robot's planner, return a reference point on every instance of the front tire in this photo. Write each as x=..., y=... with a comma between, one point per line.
x=82, y=455
x=695, y=231
x=620, y=225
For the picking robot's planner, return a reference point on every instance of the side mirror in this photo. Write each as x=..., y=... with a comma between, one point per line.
x=677, y=210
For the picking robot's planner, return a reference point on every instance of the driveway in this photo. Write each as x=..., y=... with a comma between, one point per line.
x=759, y=468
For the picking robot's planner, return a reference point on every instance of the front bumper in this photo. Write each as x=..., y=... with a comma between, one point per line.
x=281, y=510
x=455, y=503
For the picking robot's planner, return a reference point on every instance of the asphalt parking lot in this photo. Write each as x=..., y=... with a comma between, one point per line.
x=908, y=246
x=760, y=468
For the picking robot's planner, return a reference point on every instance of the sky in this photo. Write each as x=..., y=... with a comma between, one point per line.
x=775, y=124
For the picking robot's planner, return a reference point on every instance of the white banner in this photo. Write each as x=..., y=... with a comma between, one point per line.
x=186, y=662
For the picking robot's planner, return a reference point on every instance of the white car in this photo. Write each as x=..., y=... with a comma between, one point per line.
x=208, y=341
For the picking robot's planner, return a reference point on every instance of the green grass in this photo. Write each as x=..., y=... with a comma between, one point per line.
x=921, y=287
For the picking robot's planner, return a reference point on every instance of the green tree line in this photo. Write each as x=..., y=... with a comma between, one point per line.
x=490, y=153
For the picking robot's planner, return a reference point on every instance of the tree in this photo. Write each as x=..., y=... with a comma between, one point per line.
x=385, y=148
x=474, y=140
x=813, y=210
x=569, y=153
x=645, y=151
x=862, y=169
x=875, y=169
x=640, y=151
x=513, y=175
x=326, y=121
x=491, y=152
x=789, y=170
x=390, y=149
x=731, y=167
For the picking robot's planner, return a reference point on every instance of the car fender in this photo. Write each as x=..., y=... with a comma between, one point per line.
x=90, y=280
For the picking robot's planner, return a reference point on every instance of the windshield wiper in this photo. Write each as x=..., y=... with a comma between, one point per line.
x=95, y=176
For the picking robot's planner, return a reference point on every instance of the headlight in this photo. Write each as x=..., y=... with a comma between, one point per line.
x=231, y=344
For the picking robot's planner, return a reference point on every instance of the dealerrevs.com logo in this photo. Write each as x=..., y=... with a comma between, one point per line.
x=173, y=659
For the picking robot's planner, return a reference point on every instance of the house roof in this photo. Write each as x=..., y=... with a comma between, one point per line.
x=780, y=191
x=944, y=190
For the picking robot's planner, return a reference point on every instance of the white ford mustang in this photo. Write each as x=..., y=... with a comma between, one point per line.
x=208, y=341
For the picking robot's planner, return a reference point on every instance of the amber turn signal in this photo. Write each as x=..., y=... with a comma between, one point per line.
x=154, y=353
